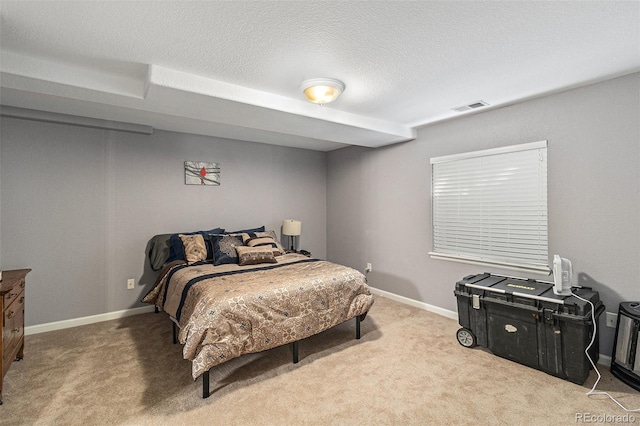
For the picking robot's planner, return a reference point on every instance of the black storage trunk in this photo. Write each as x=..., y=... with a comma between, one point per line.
x=524, y=321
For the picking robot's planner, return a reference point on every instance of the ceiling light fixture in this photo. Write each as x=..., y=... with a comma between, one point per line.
x=322, y=90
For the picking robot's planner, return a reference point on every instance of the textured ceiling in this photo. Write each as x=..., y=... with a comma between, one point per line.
x=233, y=69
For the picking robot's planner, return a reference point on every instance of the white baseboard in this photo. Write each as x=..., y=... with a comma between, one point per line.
x=603, y=360
x=59, y=325
x=416, y=303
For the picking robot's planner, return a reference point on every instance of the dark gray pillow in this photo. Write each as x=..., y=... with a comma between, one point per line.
x=159, y=251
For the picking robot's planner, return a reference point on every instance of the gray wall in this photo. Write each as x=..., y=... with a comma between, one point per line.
x=379, y=207
x=79, y=206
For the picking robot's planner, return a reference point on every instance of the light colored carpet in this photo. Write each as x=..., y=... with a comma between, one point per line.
x=407, y=369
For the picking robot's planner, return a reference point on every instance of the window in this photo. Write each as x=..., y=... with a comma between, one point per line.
x=490, y=207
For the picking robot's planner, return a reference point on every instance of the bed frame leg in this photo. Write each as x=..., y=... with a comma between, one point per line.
x=205, y=385
x=295, y=352
x=156, y=309
x=175, y=333
x=359, y=319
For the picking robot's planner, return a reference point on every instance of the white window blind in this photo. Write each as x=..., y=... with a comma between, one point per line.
x=490, y=207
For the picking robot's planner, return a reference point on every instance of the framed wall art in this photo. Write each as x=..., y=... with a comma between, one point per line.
x=199, y=173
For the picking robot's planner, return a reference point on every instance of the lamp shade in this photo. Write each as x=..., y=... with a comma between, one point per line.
x=291, y=227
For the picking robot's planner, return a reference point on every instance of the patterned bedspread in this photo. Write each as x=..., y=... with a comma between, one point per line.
x=229, y=310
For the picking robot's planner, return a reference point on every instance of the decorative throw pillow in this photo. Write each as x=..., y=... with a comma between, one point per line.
x=176, y=251
x=264, y=239
x=207, y=240
x=224, y=248
x=194, y=248
x=255, y=255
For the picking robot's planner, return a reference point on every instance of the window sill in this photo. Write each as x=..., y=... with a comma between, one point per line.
x=539, y=270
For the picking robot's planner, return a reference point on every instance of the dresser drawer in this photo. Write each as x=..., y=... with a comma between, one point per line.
x=13, y=294
x=13, y=327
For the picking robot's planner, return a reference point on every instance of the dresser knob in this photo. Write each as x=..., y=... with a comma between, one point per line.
x=21, y=300
x=15, y=330
x=10, y=314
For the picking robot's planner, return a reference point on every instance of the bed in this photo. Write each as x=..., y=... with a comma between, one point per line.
x=222, y=310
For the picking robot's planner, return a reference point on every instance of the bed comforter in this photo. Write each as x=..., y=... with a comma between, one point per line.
x=229, y=310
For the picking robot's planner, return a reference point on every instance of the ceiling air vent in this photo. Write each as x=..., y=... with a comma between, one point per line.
x=468, y=107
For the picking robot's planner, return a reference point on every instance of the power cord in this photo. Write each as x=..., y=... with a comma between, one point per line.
x=586, y=351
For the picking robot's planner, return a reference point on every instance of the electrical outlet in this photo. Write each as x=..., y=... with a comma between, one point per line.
x=369, y=268
x=612, y=319
x=131, y=283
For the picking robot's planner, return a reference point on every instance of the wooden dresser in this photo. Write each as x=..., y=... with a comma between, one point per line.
x=12, y=320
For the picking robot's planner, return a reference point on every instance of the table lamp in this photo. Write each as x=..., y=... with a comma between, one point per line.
x=291, y=228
